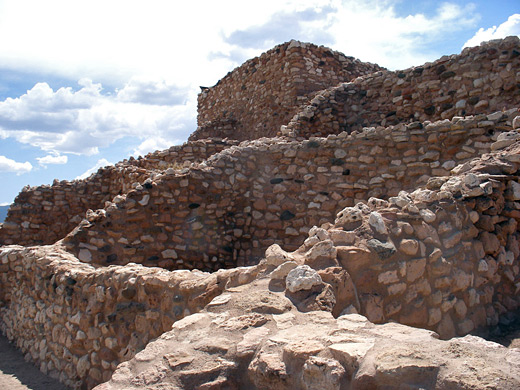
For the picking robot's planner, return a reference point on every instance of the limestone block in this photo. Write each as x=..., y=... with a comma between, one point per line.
x=276, y=256
x=375, y=220
x=85, y=255
x=388, y=277
x=415, y=269
x=283, y=269
x=322, y=255
x=409, y=247
x=302, y=277
x=516, y=122
x=349, y=216
x=383, y=249
x=341, y=237
x=350, y=354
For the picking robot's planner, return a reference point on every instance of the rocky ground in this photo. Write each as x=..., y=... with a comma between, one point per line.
x=17, y=374
x=253, y=337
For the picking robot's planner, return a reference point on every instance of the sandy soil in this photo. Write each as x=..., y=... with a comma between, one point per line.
x=17, y=374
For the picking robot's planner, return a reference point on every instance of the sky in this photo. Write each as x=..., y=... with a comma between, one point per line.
x=84, y=84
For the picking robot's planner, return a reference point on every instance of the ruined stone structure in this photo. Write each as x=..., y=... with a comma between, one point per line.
x=45, y=214
x=255, y=99
x=406, y=211
x=242, y=200
x=481, y=79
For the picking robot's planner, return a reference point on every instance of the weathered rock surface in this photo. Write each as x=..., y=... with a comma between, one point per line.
x=294, y=350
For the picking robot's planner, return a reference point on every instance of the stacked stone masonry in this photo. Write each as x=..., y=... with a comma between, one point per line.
x=45, y=214
x=444, y=257
x=225, y=212
x=481, y=79
x=255, y=99
x=77, y=323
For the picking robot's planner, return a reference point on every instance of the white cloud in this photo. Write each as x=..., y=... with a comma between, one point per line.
x=147, y=91
x=52, y=159
x=510, y=27
x=373, y=31
x=8, y=165
x=83, y=121
x=160, y=53
x=171, y=40
x=101, y=163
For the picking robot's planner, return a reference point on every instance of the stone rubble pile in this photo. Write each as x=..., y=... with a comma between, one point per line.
x=443, y=257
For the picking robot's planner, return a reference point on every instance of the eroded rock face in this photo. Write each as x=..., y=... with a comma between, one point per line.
x=221, y=348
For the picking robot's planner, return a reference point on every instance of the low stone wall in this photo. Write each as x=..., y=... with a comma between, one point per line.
x=45, y=214
x=255, y=99
x=481, y=79
x=77, y=323
x=228, y=211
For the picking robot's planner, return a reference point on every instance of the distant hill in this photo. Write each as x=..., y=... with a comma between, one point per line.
x=3, y=213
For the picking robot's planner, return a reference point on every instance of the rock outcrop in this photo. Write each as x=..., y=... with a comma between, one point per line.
x=253, y=338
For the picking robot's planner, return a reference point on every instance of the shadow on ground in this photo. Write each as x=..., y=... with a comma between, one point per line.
x=17, y=374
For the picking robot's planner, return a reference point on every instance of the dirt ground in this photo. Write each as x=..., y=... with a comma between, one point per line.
x=17, y=374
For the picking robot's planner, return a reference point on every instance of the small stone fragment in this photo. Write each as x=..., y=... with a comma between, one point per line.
x=302, y=277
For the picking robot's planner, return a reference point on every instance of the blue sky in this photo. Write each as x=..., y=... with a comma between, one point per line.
x=86, y=84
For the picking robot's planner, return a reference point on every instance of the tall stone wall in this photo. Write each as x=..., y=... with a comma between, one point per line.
x=77, y=323
x=243, y=199
x=45, y=214
x=255, y=99
x=481, y=79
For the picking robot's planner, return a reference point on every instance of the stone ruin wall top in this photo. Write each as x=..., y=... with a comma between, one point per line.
x=255, y=99
x=481, y=79
x=226, y=211
x=45, y=214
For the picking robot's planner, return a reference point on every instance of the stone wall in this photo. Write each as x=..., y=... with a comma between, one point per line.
x=226, y=212
x=77, y=323
x=255, y=99
x=481, y=79
x=182, y=156
x=444, y=257
x=45, y=214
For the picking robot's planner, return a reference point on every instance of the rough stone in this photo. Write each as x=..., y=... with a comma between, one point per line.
x=302, y=277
